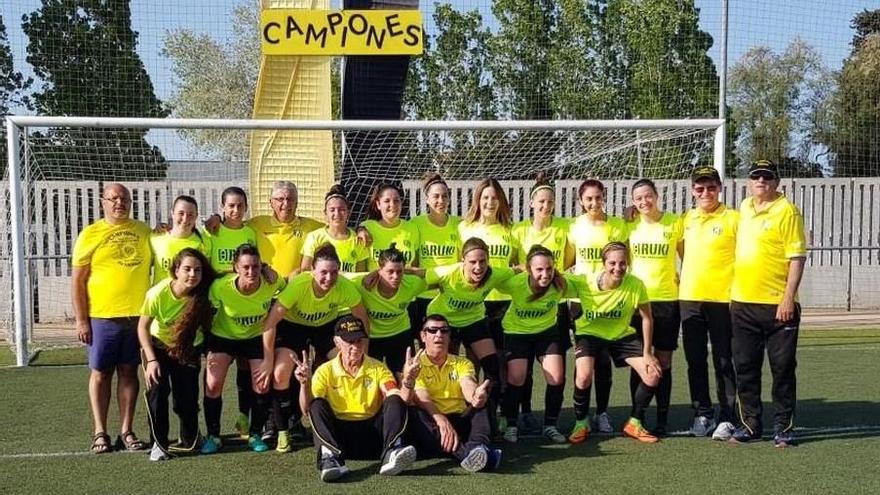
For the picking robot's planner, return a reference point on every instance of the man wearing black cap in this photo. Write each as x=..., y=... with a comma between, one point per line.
x=770, y=256
x=704, y=294
x=344, y=400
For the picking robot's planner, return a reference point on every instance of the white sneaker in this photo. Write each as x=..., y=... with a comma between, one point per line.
x=157, y=453
x=511, y=434
x=396, y=460
x=602, y=424
x=554, y=435
x=723, y=431
x=476, y=459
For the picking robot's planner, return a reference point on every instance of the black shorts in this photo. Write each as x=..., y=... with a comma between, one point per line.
x=667, y=321
x=391, y=349
x=529, y=345
x=242, y=349
x=494, y=313
x=417, y=310
x=620, y=350
x=564, y=325
x=298, y=337
x=471, y=333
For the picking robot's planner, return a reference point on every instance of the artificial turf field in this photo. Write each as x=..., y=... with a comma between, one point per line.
x=47, y=429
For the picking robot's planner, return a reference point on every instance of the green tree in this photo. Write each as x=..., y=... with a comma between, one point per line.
x=218, y=79
x=84, y=52
x=450, y=81
x=664, y=56
x=852, y=135
x=775, y=99
x=12, y=88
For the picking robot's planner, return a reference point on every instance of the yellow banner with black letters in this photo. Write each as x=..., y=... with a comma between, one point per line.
x=341, y=32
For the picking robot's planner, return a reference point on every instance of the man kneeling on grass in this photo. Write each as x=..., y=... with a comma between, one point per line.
x=356, y=409
x=451, y=418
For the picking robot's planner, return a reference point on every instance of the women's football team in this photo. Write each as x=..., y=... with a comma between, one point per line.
x=515, y=295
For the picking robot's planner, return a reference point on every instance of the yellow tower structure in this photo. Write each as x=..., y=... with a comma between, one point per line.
x=292, y=87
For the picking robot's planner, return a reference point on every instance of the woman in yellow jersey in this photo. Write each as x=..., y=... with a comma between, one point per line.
x=182, y=234
x=231, y=232
x=228, y=234
x=242, y=300
x=385, y=226
x=386, y=302
x=440, y=243
x=605, y=327
x=488, y=218
x=655, y=238
x=531, y=332
x=174, y=317
x=353, y=256
x=305, y=314
x=589, y=233
x=552, y=233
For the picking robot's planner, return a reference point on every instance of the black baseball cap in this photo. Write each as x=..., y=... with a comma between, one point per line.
x=705, y=172
x=763, y=167
x=351, y=329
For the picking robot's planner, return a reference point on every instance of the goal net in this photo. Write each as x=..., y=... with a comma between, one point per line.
x=62, y=165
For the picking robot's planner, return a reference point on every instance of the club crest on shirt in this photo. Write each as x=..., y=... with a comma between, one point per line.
x=716, y=230
x=453, y=376
x=368, y=382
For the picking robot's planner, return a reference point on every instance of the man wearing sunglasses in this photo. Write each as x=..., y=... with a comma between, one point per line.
x=451, y=418
x=704, y=295
x=770, y=256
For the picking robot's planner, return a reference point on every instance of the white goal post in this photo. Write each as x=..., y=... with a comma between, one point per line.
x=506, y=149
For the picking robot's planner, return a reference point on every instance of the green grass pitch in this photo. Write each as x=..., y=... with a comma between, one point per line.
x=46, y=432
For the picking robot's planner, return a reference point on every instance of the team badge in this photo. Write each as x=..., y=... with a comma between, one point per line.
x=716, y=230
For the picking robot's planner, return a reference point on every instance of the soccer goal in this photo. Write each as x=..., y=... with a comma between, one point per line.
x=57, y=167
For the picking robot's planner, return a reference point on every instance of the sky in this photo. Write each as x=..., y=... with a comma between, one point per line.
x=823, y=24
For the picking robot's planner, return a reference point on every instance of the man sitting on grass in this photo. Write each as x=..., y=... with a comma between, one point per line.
x=451, y=418
x=356, y=409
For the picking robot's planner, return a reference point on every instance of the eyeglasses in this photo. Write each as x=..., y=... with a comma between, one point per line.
x=118, y=200
x=702, y=189
x=284, y=199
x=434, y=330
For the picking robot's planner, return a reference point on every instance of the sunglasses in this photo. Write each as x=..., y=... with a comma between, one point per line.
x=762, y=175
x=434, y=330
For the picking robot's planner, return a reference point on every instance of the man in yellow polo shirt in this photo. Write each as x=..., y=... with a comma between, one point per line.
x=451, y=419
x=111, y=276
x=355, y=406
x=704, y=299
x=770, y=255
x=280, y=236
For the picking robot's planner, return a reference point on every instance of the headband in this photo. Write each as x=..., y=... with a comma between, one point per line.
x=538, y=188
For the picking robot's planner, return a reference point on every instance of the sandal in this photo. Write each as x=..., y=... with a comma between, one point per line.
x=129, y=441
x=101, y=443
